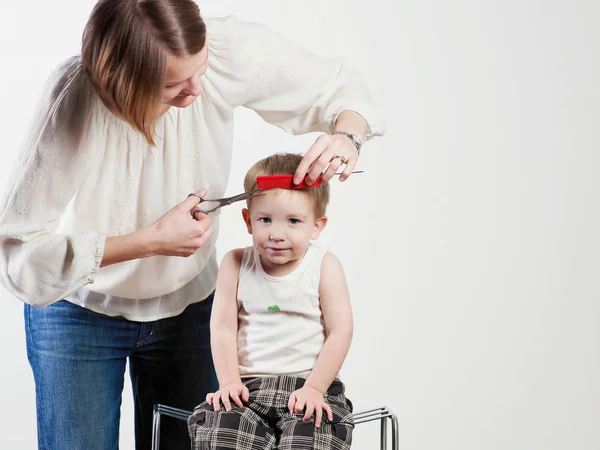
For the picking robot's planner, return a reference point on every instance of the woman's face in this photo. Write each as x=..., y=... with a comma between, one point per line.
x=183, y=83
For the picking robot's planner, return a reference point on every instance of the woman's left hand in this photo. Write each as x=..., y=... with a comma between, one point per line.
x=333, y=150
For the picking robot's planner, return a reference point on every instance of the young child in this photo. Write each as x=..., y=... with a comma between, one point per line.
x=281, y=327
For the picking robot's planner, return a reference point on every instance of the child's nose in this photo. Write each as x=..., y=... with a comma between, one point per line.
x=276, y=234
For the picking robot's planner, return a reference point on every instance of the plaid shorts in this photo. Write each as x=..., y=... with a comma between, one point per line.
x=265, y=422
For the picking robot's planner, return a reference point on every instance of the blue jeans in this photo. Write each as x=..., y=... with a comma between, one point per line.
x=78, y=359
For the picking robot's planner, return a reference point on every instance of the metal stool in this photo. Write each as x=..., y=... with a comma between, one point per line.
x=383, y=414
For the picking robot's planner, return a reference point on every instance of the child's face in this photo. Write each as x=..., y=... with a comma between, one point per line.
x=282, y=224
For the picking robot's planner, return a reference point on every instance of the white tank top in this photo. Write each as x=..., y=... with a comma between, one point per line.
x=280, y=326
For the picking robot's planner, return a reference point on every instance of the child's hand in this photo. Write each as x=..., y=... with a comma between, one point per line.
x=311, y=401
x=237, y=391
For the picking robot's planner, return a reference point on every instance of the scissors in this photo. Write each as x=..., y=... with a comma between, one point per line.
x=264, y=183
x=220, y=202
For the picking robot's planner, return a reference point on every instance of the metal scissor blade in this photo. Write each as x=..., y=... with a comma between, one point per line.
x=220, y=202
x=355, y=171
x=229, y=200
x=243, y=196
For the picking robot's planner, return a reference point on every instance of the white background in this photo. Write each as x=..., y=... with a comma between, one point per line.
x=471, y=242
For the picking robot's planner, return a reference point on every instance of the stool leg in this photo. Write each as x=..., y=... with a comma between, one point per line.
x=156, y=430
x=395, y=434
x=383, y=434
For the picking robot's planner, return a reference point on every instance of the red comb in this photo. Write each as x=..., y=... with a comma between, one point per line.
x=283, y=182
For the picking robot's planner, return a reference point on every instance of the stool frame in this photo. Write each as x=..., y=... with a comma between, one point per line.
x=383, y=414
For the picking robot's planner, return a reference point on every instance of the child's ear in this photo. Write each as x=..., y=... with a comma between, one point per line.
x=246, y=216
x=319, y=225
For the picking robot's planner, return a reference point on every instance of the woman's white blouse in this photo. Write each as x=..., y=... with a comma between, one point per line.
x=84, y=174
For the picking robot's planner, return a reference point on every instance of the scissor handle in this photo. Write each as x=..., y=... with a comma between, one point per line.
x=223, y=201
x=202, y=199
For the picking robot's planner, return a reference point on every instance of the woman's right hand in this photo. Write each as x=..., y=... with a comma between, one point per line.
x=177, y=233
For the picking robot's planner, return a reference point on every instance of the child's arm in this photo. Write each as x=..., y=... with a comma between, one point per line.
x=223, y=334
x=337, y=315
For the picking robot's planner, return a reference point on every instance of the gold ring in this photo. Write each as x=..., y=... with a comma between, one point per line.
x=341, y=158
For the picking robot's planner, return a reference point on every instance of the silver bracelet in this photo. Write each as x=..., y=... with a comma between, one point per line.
x=354, y=138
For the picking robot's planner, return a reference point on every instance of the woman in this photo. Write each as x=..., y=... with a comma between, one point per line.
x=97, y=224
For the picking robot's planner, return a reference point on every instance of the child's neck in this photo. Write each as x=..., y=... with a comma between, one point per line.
x=280, y=270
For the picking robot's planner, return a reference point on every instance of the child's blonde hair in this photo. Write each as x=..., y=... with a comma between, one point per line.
x=286, y=164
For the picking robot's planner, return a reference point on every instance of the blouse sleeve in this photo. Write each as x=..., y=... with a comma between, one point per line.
x=286, y=85
x=37, y=264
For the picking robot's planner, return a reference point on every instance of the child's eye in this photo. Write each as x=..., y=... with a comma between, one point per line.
x=170, y=86
x=294, y=221
x=264, y=220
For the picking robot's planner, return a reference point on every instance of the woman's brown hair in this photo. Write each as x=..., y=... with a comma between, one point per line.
x=124, y=50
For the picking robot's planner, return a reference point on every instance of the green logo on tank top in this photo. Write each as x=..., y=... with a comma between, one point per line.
x=273, y=308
